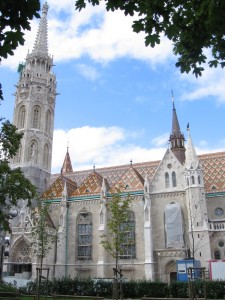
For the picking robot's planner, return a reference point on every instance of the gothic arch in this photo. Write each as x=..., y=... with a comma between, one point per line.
x=21, y=251
x=84, y=235
x=169, y=269
x=36, y=117
x=174, y=179
x=167, y=180
x=21, y=117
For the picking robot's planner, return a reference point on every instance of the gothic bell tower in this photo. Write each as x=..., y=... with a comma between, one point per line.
x=34, y=110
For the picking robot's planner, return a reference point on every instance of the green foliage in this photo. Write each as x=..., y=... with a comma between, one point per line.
x=131, y=289
x=179, y=289
x=42, y=240
x=118, y=211
x=192, y=26
x=15, y=17
x=7, y=287
x=13, y=184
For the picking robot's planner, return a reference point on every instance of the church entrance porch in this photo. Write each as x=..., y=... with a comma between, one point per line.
x=166, y=261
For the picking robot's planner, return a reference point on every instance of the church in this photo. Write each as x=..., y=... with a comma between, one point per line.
x=177, y=208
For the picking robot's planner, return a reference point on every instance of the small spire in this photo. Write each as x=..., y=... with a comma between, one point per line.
x=94, y=167
x=41, y=42
x=192, y=161
x=176, y=137
x=131, y=162
x=67, y=166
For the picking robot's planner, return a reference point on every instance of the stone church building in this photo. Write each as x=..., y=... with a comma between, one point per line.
x=177, y=206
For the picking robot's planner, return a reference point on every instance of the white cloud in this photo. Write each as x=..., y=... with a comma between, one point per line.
x=88, y=72
x=103, y=36
x=101, y=146
x=161, y=140
x=211, y=83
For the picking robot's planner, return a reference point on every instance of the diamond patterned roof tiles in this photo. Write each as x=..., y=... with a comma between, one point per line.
x=133, y=176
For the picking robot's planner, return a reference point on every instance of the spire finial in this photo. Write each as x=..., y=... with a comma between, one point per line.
x=131, y=162
x=188, y=127
x=172, y=97
x=41, y=42
x=94, y=167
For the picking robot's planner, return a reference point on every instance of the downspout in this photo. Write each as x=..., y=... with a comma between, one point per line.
x=67, y=229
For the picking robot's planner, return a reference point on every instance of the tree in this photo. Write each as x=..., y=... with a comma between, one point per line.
x=13, y=184
x=192, y=25
x=42, y=239
x=118, y=226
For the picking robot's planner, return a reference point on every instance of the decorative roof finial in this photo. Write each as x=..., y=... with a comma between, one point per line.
x=131, y=162
x=94, y=167
x=188, y=127
x=172, y=97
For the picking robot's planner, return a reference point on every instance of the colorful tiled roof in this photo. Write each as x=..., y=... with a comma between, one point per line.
x=131, y=177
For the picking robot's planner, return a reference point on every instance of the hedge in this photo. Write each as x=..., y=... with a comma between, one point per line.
x=131, y=289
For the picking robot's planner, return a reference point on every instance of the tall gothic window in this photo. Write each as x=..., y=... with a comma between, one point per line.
x=22, y=116
x=128, y=243
x=199, y=179
x=167, y=180
x=84, y=232
x=48, y=122
x=36, y=117
x=192, y=179
x=33, y=151
x=45, y=162
x=174, y=180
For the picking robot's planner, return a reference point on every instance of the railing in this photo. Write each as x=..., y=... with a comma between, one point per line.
x=216, y=226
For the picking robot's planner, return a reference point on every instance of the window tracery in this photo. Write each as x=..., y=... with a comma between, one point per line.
x=84, y=232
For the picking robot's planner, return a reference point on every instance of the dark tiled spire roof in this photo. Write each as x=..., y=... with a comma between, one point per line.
x=67, y=166
x=177, y=138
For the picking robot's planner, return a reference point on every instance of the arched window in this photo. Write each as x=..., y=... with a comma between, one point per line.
x=33, y=151
x=36, y=117
x=84, y=234
x=45, y=161
x=167, y=180
x=217, y=254
x=128, y=240
x=174, y=180
x=48, y=122
x=22, y=116
x=199, y=179
x=192, y=179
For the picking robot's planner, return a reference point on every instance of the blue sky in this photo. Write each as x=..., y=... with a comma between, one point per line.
x=115, y=94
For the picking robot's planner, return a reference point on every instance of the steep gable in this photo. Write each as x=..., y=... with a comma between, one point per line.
x=91, y=185
x=131, y=180
x=56, y=188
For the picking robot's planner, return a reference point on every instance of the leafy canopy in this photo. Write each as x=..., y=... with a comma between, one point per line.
x=13, y=184
x=192, y=25
x=15, y=17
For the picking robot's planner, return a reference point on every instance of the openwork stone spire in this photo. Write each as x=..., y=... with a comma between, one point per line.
x=41, y=42
x=192, y=161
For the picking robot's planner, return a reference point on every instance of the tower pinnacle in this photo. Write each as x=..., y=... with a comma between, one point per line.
x=177, y=137
x=41, y=42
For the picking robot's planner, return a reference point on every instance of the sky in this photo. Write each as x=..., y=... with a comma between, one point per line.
x=114, y=101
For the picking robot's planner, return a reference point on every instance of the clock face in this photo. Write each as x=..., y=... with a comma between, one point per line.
x=219, y=212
